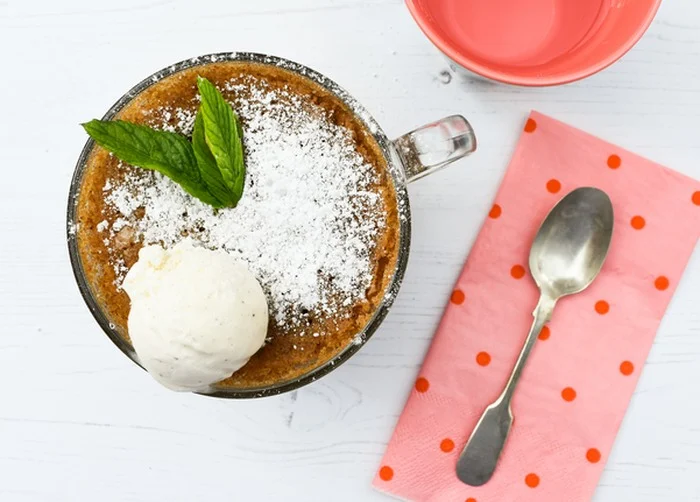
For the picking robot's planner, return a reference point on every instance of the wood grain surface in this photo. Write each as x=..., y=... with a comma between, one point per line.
x=79, y=422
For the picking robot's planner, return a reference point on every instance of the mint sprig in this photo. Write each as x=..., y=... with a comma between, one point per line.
x=222, y=134
x=210, y=168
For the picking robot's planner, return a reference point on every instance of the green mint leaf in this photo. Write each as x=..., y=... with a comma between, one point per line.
x=207, y=164
x=210, y=168
x=222, y=133
x=168, y=153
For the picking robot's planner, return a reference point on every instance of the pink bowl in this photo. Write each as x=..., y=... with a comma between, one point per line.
x=534, y=42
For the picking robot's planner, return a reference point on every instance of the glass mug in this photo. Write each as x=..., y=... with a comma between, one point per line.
x=408, y=158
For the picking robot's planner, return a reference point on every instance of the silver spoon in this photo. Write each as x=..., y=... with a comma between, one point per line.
x=567, y=254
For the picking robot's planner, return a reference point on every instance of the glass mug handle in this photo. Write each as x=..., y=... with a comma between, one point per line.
x=433, y=146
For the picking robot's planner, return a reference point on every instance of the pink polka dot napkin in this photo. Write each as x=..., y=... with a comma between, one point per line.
x=584, y=368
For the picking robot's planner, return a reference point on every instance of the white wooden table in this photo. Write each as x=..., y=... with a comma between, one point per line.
x=79, y=422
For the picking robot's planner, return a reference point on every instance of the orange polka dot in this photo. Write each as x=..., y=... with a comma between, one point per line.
x=661, y=282
x=553, y=186
x=422, y=384
x=626, y=368
x=602, y=307
x=593, y=455
x=470, y=499
x=544, y=334
x=532, y=480
x=637, y=222
x=495, y=211
x=568, y=394
x=483, y=358
x=696, y=198
x=614, y=161
x=457, y=297
x=530, y=125
x=386, y=473
x=447, y=445
x=517, y=271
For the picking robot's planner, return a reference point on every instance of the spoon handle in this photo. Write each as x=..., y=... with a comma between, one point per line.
x=542, y=314
x=478, y=460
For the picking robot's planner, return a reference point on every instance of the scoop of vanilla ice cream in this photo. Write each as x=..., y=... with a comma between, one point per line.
x=196, y=315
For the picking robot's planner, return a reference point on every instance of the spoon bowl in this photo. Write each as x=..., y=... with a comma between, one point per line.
x=572, y=243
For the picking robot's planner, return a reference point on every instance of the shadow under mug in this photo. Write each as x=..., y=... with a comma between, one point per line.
x=408, y=158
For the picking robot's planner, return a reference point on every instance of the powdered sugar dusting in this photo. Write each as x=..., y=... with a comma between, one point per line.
x=310, y=213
